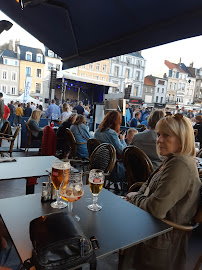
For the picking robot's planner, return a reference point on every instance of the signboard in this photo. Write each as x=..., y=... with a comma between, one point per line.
x=28, y=84
x=135, y=101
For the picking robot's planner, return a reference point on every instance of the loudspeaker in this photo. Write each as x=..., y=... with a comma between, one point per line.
x=127, y=92
x=46, y=100
x=53, y=79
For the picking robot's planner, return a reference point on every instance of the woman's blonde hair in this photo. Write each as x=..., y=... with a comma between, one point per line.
x=65, y=107
x=36, y=115
x=181, y=127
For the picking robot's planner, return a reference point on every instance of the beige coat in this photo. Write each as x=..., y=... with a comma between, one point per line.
x=173, y=194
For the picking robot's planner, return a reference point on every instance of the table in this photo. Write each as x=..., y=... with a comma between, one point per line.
x=117, y=226
x=26, y=167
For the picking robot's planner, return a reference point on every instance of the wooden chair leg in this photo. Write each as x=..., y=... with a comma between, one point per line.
x=198, y=264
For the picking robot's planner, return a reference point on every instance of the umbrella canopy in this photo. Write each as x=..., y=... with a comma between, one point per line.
x=7, y=98
x=29, y=99
x=86, y=31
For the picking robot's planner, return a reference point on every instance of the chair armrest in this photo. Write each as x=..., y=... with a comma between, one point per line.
x=8, y=139
x=181, y=227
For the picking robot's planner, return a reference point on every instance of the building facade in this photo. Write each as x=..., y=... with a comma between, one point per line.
x=32, y=64
x=9, y=72
x=52, y=61
x=128, y=69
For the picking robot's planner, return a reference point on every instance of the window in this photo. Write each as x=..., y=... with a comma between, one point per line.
x=28, y=56
x=104, y=68
x=173, y=97
x=4, y=88
x=127, y=73
x=180, y=75
x=50, y=53
x=57, y=67
x=161, y=99
x=16, y=63
x=162, y=90
x=184, y=77
x=38, y=88
x=135, y=91
x=183, y=86
x=5, y=75
x=28, y=71
x=137, y=75
x=13, y=90
x=158, y=90
x=90, y=76
x=84, y=66
x=50, y=65
x=13, y=76
x=170, y=85
x=97, y=68
x=83, y=74
x=90, y=66
x=38, y=73
x=138, y=63
x=174, y=86
x=157, y=99
x=174, y=74
x=5, y=61
x=39, y=58
x=179, y=86
x=128, y=60
x=97, y=77
x=116, y=71
x=117, y=58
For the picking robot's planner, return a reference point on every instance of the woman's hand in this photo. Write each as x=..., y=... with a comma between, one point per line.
x=130, y=195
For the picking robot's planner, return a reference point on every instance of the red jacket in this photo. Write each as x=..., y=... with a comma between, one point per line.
x=6, y=111
x=49, y=142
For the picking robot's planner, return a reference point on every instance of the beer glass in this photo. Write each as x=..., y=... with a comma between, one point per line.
x=96, y=183
x=60, y=173
x=72, y=190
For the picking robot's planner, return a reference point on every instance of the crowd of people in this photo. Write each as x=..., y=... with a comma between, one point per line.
x=171, y=192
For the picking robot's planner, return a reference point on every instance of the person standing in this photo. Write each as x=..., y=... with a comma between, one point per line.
x=28, y=110
x=79, y=108
x=18, y=114
x=128, y=115
x=53, y=111
x=6, y=112
x=1, y=109
x=136, y=120
x=12, y=112
x=33, y=107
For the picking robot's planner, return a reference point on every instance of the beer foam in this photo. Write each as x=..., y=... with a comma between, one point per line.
x=61, y=165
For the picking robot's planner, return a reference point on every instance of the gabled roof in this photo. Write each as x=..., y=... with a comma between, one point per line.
x=9, y=53
x=192, y=71
x=34, y=51
x=171, y=65
x=149, y=80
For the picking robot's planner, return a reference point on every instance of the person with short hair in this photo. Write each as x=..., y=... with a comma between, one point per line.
x=171, y=193
x=18, y=114
x=130, y=134
x=136, y=120
x=79, y=108
x=12, y=112
x=146, y=140
x=27, y=110
x=53, y=111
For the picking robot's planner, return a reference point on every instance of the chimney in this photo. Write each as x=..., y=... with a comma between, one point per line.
x=17, y=42
x=10, y=45
x=191, y=64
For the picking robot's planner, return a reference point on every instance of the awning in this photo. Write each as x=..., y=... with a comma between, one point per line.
x=86, y=31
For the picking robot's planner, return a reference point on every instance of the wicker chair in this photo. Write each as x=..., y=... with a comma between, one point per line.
x=30, y=138
x=92, y=143
x=103, y=158
x=11, y=140
x=138, y=165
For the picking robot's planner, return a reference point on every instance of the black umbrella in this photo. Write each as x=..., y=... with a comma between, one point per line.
x=83, y=31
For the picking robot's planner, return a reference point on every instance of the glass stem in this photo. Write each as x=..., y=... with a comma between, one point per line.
x=58, y=196
x=95, y=198
x=70, y=207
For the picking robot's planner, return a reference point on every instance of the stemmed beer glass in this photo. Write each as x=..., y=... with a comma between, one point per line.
x=96, y=183
x=72, y=190
x=60, y=173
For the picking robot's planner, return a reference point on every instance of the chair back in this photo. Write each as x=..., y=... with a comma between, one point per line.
x=4, y=127
x=71, y=141
x=92, y=143
x=103, y=158
x=138, y=165
x=16, y=132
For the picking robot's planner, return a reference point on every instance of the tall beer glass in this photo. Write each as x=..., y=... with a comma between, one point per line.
x=60, y=173
x=96, y=183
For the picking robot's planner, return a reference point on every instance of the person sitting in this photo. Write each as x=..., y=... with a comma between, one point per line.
x=171, y=193
x=130, y=134
x=81, y=134
x=33, y=123
x=66, y=112
x=109, y=132
x=136, y=120
x=146, y=140
x=198, y=126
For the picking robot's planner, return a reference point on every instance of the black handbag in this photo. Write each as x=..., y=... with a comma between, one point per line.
x=59, y=244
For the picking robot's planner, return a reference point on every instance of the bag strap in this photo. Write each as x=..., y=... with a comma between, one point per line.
x=27, y=264
x=81, y=133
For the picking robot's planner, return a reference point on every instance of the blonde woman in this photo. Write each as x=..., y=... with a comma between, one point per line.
x=33, y=124
x=171, y=193
x=66, y=112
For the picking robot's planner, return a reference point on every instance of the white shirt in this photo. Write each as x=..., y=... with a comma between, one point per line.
x=65, y=115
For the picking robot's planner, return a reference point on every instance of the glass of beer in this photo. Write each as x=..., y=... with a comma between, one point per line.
x=72, y=191
x=96, y=183
x=60, y=173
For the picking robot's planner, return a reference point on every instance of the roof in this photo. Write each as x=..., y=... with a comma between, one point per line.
x=149, y=80
x=172, y=66
x=34, y=51
x=82, y=32
x=136, y=54
x=9, y=53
